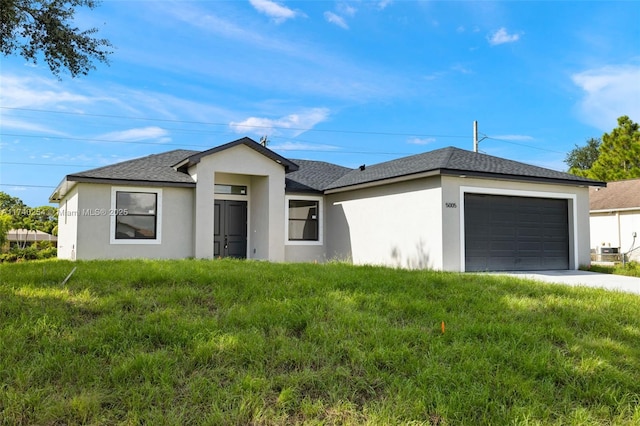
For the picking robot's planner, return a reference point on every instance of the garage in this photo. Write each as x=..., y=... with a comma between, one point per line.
x=509, y=233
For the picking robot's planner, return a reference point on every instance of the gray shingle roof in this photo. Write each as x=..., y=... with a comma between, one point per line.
x=624, y=194
x=153, y=168
x=313, y=176
x=319, y=176
x=457, y=161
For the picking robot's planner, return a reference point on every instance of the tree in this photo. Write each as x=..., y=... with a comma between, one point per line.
x=581, y=159
x=5, y=226
x=11, y=205
x=619, y=156
x=33, y=27
x=20, y=216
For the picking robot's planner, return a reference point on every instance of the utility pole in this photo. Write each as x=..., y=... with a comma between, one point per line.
x=476, y=141
x=475, y=136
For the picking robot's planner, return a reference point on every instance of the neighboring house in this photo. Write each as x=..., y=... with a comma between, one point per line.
x=448, y=209
x=26, y=238
x=615, y=218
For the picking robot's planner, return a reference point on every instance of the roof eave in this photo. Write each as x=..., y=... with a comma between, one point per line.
x=522, y=178
x=615, y=210
x=87, y=179
x=466, y=173
x=61, y=190
x=385, y=181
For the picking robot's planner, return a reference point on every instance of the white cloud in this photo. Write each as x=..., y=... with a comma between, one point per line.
x=21, y=92
x=297, y=123
x=31, y=126
x=346, y=9
x=335, y=19
x=138, y=134
x=609, y=92
x=382, y=4
x=421, y=141
x=461, y=69
x=501, y=36
x=275, y=11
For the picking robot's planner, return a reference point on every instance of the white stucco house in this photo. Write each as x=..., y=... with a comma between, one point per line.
x=615, y=219
x=447, y=209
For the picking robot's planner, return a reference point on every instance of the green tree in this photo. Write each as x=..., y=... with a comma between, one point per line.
x=8, y=203
x=619, y=156
x=45, y=219
x=33, y=27
x=21, y=216
x=5, y=226
x=581, y=159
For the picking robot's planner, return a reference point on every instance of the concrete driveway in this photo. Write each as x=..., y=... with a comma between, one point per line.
x=583, y=278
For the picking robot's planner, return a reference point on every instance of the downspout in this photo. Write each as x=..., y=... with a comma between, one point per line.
x=619, y=234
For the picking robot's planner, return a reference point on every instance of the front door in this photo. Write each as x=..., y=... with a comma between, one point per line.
x=230, y=229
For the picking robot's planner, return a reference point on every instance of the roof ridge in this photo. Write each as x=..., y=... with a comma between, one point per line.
x=451, y=150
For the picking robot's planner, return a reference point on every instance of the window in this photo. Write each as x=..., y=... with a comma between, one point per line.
x=304, y=220
x=135, y=216
x=230, y=189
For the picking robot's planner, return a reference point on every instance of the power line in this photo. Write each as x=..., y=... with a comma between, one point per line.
x=525, y=145
x=15, y=135
x=210, y=123
x=197, y=146
x=26, y=186
x=15, y=163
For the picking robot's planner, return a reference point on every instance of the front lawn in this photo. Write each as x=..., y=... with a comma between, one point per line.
x=631, y=269
x=241, y=342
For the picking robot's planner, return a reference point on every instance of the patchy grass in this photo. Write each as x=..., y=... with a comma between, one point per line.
x=241, y=342
x=631, y=269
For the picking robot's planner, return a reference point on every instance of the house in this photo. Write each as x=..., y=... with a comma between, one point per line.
x=615, y=219
x=27, y=238
x=447, y=209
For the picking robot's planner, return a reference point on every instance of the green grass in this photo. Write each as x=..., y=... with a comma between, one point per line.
x=631, y=269
x=238, y=342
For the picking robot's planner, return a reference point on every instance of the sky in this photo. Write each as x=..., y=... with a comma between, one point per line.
x=348, y=82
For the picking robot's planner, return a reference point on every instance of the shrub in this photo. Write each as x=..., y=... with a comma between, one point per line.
x=17, y=254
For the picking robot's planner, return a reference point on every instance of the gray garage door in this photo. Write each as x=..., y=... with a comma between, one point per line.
x=515, y=233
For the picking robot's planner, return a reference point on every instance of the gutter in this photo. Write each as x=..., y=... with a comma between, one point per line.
x=464, y=173
x=70, y=181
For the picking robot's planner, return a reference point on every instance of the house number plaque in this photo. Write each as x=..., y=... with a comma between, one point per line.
x=451, y=205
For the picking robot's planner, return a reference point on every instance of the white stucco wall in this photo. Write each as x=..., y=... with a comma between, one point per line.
x=68, y=225
x=266, y=200
x=94, y=229
x=396, y=225
x=616, y=229
x=453, y=217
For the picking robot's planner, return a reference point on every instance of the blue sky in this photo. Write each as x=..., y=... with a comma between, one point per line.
x=349, y=82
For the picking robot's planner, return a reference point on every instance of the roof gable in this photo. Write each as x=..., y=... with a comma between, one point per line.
x=624, y=194
x=196, y=157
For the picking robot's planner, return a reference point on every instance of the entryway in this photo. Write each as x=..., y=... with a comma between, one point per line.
x=230, y=229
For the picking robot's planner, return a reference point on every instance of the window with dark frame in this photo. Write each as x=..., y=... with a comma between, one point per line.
x=136, y=215
x=303, y=220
